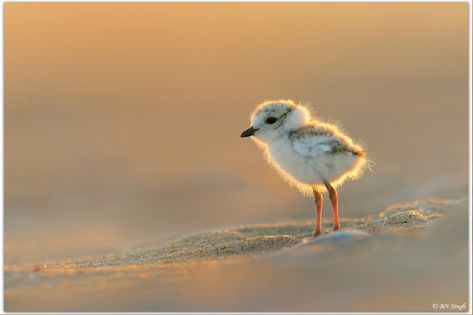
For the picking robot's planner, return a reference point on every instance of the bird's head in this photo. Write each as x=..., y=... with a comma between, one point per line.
x=273, y=119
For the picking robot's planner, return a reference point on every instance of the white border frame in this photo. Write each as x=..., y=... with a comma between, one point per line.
x=470, y=138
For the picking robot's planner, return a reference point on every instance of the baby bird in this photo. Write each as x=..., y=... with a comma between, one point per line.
x=311, y=155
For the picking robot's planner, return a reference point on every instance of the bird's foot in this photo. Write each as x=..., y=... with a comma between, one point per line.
x=317, y=233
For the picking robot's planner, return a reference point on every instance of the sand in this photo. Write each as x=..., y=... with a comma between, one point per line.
x=267, y=267
x=404, y=219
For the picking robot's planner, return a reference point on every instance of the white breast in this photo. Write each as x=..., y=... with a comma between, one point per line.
x=303, y=170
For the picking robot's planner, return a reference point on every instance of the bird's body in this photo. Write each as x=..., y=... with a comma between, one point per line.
x=308, y=153
x=313, y=154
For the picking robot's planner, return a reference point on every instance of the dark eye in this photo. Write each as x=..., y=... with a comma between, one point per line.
x=271, y=120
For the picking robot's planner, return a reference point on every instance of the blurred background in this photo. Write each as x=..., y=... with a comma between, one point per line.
x=122, y=121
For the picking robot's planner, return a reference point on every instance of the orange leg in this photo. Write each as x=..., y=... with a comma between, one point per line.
x=334, y=199
x=319, y=200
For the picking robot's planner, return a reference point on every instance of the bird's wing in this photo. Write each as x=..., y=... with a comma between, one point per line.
x=312, y=143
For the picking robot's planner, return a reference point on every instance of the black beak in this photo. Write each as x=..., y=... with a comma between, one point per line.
x=248, y=132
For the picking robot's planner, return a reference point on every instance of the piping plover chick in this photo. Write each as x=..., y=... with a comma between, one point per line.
x=311, y=155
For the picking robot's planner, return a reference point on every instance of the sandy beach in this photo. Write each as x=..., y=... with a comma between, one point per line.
x=64, y=285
